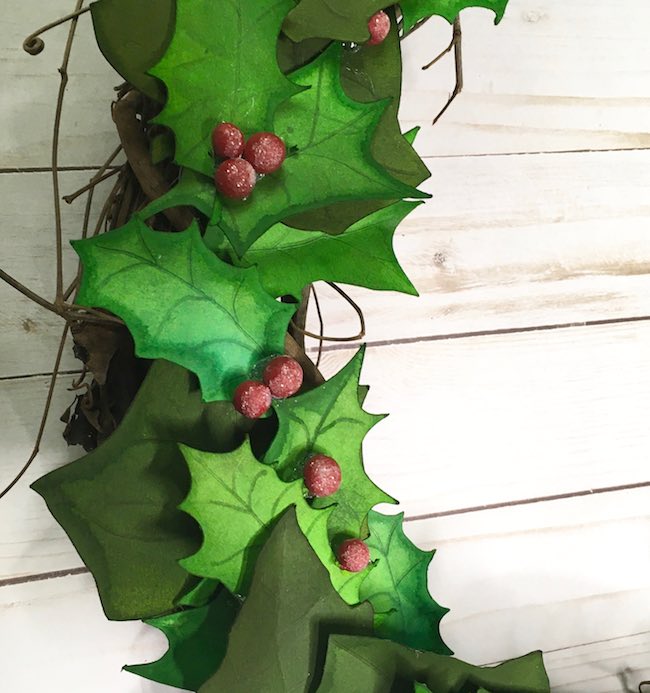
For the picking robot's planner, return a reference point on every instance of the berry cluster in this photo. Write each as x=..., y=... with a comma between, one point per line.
x=236, y=177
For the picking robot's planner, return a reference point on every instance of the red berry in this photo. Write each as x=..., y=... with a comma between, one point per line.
x=265, y=151
x=228, y=141
x=379, y=28
x=283, y=375
x=353, y=555
x=235, y=178
x=252, y=399
x=322, y=476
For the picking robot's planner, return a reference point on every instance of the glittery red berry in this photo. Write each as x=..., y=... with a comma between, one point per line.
x=235, y=178
x=265, y=151
x=283, y=375
x=322, y=476
x=228, y=141
x=353, y=555
x=379, y=28
x=252, y=399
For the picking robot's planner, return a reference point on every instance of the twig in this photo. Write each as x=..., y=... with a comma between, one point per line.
x=90, y=185
x=35, y=45
x=457, y=45
x=28, y=292
x=321, y=324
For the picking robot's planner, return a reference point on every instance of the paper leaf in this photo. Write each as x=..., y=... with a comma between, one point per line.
x=183, y=304
x=275, y=642
x=340, y=20
x=236, y=500
x=197, y=638
x=329, y=420
x=133, y=36
x=356, y=663
x=214, y=71
x=421, y=688
x=328, y=136
x=289, y=259
x=398, y=589
x=415, y=10
x=192, y=190
x=118, y=504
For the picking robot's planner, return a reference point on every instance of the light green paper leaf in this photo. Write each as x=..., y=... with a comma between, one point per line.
x=330, y=420
x=328, y=137
x=192, y=190
x=275, y=642
x=398, y=589
x=289, y=259
x=340, y=20
x=198, y=639
x=182, y=303
x=215, y=72
x=415, y=10
x=421, y=688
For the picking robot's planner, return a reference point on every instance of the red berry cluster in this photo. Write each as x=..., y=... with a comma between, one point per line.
x=236, y=176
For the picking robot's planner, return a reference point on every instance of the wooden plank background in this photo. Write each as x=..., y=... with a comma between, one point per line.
x=523, y=366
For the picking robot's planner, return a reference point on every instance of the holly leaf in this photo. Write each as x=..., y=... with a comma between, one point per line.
x=237, y=492
x=339, y=20
x=182, y=303
x=421, y=688
x=330, y=420
x=192, y=190
x=328, y=137
x=133, y=36
x=397, y=588
x=415, y=10
x=358, y=663
x=214, y=72
x=283, y=624
x=289, y=259
x=197, y=639
x=118, y=504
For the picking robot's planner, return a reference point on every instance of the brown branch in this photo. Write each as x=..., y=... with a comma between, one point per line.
x=457, y=45
x=312, y=375
x=35, y=45
x=90, y=185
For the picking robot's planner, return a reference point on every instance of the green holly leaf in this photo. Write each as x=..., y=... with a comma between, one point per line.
x=215, y=72
x=398, y=589
x=197, y=639
x=289, y=259
x=182, y=303
x=421, y=688
x=328, y=136
x=192, y=190
x=415, y=10
x=281, y=630
x=339, y=20
x=118, y=504
x=133, y=36
x=357, y=663
x=330, y=420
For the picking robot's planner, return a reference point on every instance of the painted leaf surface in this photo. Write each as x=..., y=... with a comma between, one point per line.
x=192, y=190
x=236, y=500
x=118, y=504
x=197, y=639
x=133, y=36
x=356, y=663
x=330, y=420
x=340, y=20
x=415, y=10
x=328, y=136
x=275, y=642
x=214, y=72
x=183, y=304
x=289, y=259
x=398, y=589
x=421, y=688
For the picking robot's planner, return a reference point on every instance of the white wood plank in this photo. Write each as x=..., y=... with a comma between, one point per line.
x=553, y=76
x=514, y=242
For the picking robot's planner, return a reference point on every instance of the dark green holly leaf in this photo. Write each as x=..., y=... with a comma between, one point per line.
x=398, y=589
x=415, y=10
x=328, y=137
x=412, y=134
x=356, y=663
x=283, y=624
x=236, y=501
x=329, y=420
x=201, y=594
x=340, y=20
x=192, y=190
x=197, y=638
x=289, y=259
x=133, y=36
x=182, y=303
x=118, y=504
x=215, y=71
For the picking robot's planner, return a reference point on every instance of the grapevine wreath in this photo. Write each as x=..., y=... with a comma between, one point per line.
x=223, y=497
